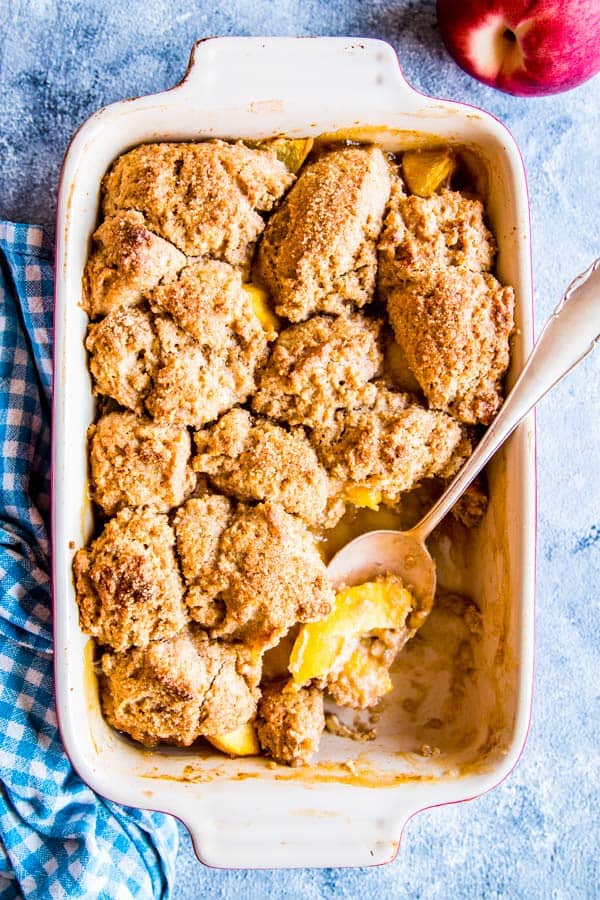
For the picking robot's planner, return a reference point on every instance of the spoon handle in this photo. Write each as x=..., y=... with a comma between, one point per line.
x=568, y=336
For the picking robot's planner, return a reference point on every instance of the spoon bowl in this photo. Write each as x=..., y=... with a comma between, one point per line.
x=402, y=553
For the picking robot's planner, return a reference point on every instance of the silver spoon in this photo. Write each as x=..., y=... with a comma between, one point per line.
x=568, y=336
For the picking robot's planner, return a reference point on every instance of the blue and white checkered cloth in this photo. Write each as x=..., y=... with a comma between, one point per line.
x=57, y=838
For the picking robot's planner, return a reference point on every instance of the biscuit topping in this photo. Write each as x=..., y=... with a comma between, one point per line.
x=286, y=338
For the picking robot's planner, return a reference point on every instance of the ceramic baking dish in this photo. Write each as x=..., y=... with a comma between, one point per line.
x=350, y=807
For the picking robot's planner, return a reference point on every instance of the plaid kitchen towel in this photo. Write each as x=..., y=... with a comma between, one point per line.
x=57, y=838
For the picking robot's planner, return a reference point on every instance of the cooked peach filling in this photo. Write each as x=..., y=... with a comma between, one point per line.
x=291, y=152
x=324, y=648
x=426, y=171
x=363, y=497
x=241, y=742
x=262, y=310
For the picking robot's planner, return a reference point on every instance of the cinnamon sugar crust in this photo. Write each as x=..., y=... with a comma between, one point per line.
x=155, y=694
x=194, y=384
x=124, y=356
x=274, y=576
x=199, y=525
x=207, y=301
x=127, y=259
x=205, y=198
x=257, y=568
x=138, y=462
x=175, y=690
x=315, y=368
x=318, y=251
x=454, y=327
x=423, y=234
x=128, y=585
x=387, y=442
x=255, y=459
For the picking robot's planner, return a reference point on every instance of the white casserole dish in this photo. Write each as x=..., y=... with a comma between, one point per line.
x=349, y=809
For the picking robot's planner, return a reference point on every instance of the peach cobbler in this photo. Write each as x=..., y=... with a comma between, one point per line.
x=282, y=336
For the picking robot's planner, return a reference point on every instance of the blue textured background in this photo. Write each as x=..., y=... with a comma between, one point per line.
x=537, y=834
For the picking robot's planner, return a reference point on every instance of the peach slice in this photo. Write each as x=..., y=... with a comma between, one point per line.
x=241, y=742
x=426, y=171
x=291, y=151
x=363, y=497
x=370, y=676
x=325, y=646
x=262, y=310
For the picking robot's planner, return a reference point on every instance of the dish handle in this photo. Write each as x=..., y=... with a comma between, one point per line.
x=309, y=836
x=262, y=74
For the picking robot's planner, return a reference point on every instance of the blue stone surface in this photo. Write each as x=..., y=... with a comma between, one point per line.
x=537, y=834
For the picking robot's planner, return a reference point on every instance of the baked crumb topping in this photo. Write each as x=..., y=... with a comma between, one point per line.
x=386, y=442
x=124, y=354
x=454, y=328
x=138, y=462
x=318, y=253
x=254, y=459
x=126, y=261
x=424, y=234
x=290, y=722
x=128, y=583
x=316, y=367
x=238, y=419
x=205, y=198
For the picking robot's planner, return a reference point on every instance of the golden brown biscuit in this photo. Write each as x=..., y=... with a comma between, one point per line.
x=199, y=525
x=454, y=328
x=128, y=585
x=207, y=301
x=124, y=353
x=230, y=700
x=127, y=260
x=318, y=251
x=138, y=462
x=177, y=689
x=315, y=368
x=274, y=576
x=195, y=384
x=155, y=694
x=255, y=459
x=387, y=443
x=422, y=234
x=205, y=198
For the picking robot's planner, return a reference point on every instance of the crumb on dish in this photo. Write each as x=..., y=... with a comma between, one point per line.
x=290, y=722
